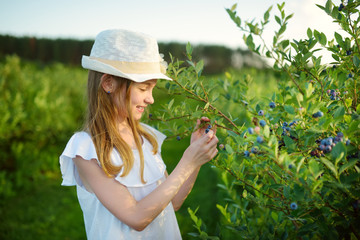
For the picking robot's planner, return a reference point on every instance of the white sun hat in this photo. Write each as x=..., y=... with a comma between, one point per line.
x=126, y=54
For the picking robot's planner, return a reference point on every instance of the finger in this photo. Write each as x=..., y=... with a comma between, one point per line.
x=213, y=152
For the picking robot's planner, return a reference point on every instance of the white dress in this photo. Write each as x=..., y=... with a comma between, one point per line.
x=100, y=224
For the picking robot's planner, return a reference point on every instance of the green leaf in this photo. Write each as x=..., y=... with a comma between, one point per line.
x=309, y=33
x=328, y=7
x=189, y=50
x=278, y=20
x=233, y=7
x=356, y=61
x=338, y=152
x=249, y=41
x=329, y=165
x=289, y=109
x=199, y=67
x=290, y=144
x=339, y=112
x=348, y=165
x=339, y=39
x=171, y=103
x=229, y=149
x=323, y=39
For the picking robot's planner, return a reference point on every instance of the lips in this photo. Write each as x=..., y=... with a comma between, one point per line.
x=140, y=108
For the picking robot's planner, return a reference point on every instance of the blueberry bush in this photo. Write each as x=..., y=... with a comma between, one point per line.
x=289, y=162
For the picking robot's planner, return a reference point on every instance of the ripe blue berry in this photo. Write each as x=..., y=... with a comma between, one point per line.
x=150, y=115
x=348, y=52
x=260, y=139
x=261, y=113
x=178, y=138
x=207, y=130
x=341, y=7
x=348, y=142
x=247, y=153
x=272, y=105
x=350, y=75
x=293, y=206
x=328, y=148
x=262, y=123
x=254, y=149
x=250, y=130
x=290, y=166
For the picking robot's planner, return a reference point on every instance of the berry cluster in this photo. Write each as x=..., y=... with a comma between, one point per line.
x=327, y=144
x=287, y=127
x=334, y=94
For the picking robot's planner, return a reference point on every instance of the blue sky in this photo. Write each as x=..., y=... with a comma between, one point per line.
x=194, y=21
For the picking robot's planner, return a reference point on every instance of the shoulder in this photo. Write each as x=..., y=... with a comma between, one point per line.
x=80, y=144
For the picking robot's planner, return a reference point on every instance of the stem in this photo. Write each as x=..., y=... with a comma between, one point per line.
x=246, y=183
x=356, y=38
x=206, y=101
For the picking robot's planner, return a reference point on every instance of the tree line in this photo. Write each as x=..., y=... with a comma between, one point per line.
x=216, y=58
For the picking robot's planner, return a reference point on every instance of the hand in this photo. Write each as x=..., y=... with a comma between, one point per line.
x=201, y=150
x=200, y=130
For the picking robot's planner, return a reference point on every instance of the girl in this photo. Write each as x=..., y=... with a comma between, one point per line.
x=122, y=185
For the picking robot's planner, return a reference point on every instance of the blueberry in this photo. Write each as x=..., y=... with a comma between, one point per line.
x=293, y=206
x=254, y=149
x=178, y=138
x=285, y=124
x=262, y=123
x=350, y=75
x=207, y=130
x=272, y=105
x=150, y=115
x=260, y=139
x=329, y=141
x=341, y=7
x=290, y=166
x=247, y=153
x=322, y=147
x=340, y=135
x=348, y=52
x=348, y=142
x=261, y=113
x=328, y=148
x=250, y=130
x=209, y=126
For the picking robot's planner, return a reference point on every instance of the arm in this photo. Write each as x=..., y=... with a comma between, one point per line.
x=138, y=214
x=186, y=188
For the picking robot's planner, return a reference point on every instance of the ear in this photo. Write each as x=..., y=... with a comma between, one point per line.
x=107, y=83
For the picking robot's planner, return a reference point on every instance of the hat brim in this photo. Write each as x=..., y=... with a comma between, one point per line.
x=93, y=64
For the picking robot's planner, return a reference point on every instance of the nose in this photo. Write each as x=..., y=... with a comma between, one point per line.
x=149, y=98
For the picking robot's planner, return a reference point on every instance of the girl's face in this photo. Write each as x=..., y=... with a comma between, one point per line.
x=140, y=97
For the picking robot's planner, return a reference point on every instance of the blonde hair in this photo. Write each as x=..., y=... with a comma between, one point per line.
x=101, y=123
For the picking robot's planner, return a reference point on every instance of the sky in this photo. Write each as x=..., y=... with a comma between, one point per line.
x=194, y=21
